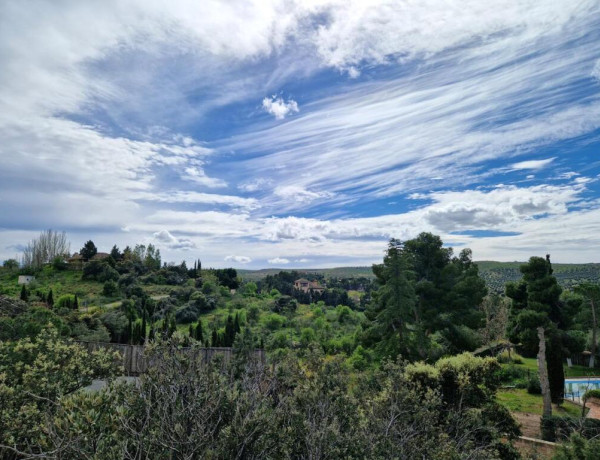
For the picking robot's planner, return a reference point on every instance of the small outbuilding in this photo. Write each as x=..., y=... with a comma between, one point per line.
x=25, y=279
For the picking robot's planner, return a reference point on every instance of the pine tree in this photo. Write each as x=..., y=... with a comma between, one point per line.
x=50, y=298
x=24, y=293
x=191, y=331
x=214, y=338
x=75, y=303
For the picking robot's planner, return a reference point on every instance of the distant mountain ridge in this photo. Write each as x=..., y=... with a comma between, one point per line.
x=495, y=274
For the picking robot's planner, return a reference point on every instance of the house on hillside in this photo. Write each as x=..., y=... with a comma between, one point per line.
x=305, y=286
x=100, y=256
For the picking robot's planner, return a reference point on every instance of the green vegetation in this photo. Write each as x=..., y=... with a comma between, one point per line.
x=354, y=346
x=520, y=400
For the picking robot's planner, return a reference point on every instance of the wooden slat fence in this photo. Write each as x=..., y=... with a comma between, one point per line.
x=135, y=362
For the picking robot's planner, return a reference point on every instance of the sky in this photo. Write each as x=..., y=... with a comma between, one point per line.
x=291, y=134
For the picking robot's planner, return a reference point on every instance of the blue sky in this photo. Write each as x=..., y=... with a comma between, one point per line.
x=302, y=133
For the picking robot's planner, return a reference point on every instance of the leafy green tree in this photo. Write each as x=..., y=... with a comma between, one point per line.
x=10, y=264
x=88, y=250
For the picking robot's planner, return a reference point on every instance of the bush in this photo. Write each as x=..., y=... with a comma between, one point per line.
x=533, y=385
x=511, y=373
x=560, y=428
x=274, y=321
x=110, y=288
x=591, y=394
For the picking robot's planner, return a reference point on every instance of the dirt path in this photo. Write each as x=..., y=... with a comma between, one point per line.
x=530, y=424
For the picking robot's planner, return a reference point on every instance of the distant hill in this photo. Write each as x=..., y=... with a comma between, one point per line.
x=495, y=274
x=338, y=272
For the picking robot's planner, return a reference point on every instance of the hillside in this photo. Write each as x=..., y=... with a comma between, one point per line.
x=495, y=274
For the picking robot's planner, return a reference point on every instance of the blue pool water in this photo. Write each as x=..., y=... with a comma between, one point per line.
x=576, y=388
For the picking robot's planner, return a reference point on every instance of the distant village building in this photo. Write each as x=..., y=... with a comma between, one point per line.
x=100, y=256
x=25, y=279
x=305, y=286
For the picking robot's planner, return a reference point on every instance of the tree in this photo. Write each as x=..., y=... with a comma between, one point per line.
x=115, y=253
x=42, y=250
x=88, y=250
x=591, y=295
x=428, y=299
x=50, y=299
x=394, y=303
x=11, y=264
x=535, y=319
x=24, y=294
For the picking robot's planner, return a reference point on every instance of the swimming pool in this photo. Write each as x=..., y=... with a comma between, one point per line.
x=575, y=388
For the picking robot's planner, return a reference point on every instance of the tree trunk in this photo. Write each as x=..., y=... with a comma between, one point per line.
x=594, y=327
x=543, y=373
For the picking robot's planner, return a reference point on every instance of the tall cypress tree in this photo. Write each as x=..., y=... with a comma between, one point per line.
x=24, y=293
x=144, y=326
x=75, y=303
x=215, y=338
x=199, y=336
x=50, y=298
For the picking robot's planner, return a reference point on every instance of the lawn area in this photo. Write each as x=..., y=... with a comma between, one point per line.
x=518, y=400
x=573, y=371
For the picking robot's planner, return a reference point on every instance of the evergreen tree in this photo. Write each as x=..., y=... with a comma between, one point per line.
x=88, y=250
x=199, y=336
x=75, y=303
x=229, y=332
x=535, y=319
x=215, y=338
x=172, y=325
x=115, y=253
x=236, y=323
x=393, y=305
x=144, y=326
x=50, y=298
x=24, y=294
x=191, y=331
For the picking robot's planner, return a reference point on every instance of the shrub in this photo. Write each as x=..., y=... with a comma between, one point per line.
x=110, y=288
x=274, y=321
x=533, y=385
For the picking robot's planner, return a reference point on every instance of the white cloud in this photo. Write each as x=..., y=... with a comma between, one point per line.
x=596, y=70
x=300, y=194
x=238, y=259
x=198, y=176
x=166, y=238
x=532, y=164
x=278, y=260
x=255, y=184
x=277, y=107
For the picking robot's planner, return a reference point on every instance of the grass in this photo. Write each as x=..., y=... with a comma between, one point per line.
x=518, y=400
x=574, y=371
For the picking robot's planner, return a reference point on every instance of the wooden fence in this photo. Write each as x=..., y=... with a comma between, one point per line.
x=135, y=362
